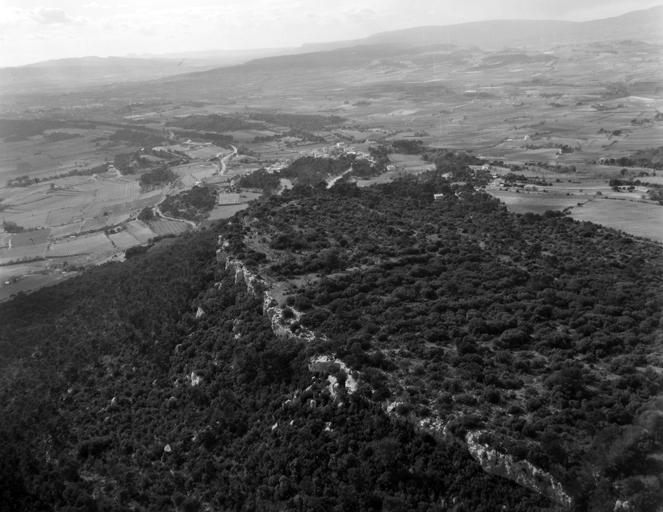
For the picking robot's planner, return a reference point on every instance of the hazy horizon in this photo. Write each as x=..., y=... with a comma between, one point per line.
x=33, y=32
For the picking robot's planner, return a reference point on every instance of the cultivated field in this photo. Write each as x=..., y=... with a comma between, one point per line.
x=93, y=244
x=225, y=198
x=226, y=211
x=535, y=202
x=123, y=240
x=118, y=191
x=67, y=230
x=163, y=227
x=23, y=253
x=140, y=231
x=463, y=104
x=634, y=218
x=401, y=158
x=28, y=238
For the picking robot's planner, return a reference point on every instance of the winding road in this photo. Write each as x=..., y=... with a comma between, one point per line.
x=225, y=159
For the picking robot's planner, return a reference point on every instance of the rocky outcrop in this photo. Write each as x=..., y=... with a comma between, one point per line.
x=327, y=365
x=521, y=472
x=259, y=287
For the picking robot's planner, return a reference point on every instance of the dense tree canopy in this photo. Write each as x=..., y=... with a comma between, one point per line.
x=158, y=383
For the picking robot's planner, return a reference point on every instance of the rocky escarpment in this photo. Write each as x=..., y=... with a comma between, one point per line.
x=493, y=462
x=283, y=327
x=521, y=472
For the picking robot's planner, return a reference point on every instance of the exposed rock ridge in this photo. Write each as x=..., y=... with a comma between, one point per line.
x=259, y=288
x=521, y=472
x=491, y=461
x=326, y=364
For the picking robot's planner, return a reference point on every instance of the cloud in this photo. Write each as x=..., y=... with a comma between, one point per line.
x=53, y=16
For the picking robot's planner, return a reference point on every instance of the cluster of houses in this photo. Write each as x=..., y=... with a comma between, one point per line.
x=336, y=150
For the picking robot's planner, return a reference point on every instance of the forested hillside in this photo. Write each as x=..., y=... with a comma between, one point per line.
x=118, y=393
x=159, y=383
x=538, y=331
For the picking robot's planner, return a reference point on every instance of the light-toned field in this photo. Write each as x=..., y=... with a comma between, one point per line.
x=118, y=191
x=634, y=218
x=199, y=168
x=94, y=224
x=50, y=158
x=29, y=220
x=140, y=231
x=22, y=253
x=535, y=202
x=67, y=229
x=206, y=152
x=27, y=238
x=147, y=200
x=228, y=198
x=383, y=178
x=123, y=240
x=400, y=158
x=93, y=244
x=226, y=211
x=64, y=216
x=163, y=227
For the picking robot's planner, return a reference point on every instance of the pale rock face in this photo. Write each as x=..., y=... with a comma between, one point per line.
x=195, y=379
x=622, y=505
x=200, y=312
x=522, y=472
x=333, y=385
x=255, y=285
x=319, y=363
x=393, y=405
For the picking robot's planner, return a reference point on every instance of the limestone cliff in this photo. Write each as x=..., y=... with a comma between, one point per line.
x=521, y=472
x=259, y=287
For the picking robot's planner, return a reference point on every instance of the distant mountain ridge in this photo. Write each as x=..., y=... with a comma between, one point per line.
x=644, y=25
x=62, y=74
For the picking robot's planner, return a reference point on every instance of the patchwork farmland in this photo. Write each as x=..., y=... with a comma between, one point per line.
x=93, y=244
x=514, y=112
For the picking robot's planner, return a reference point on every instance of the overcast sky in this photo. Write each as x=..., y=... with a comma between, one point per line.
x=37, y=30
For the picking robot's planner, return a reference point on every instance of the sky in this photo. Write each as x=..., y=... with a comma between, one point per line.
x=37, y=30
